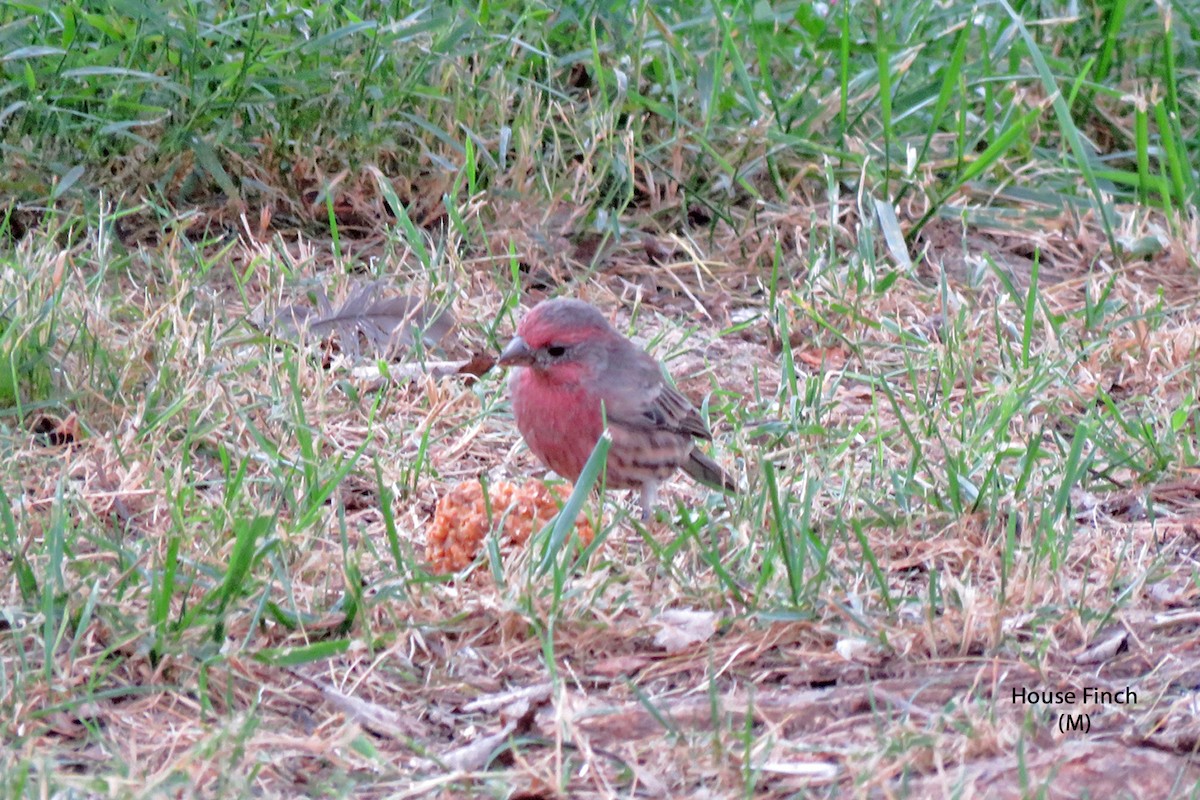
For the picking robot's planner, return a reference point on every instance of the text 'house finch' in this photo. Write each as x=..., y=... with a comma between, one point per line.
x=572, y=372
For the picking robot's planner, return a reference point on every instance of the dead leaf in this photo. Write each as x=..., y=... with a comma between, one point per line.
x=859, y=651
x=680, y=628
x=538, y=693
x=371, y=716
x=517, y=717
x=475, y=755
x=478, y=365
x=1104, y=650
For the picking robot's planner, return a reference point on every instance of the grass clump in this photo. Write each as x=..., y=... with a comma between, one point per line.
x=928, y=271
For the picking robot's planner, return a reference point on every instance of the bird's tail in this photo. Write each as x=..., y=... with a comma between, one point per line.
x=708, y=472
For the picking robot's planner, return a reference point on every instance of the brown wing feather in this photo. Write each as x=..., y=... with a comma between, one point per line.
x=677, y=412
x=653, y=404
x=708, y=472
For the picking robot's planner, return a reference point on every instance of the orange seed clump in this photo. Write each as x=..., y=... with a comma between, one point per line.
x=461, y=521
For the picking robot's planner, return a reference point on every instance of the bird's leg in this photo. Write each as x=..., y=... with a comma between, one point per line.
x=649, y=495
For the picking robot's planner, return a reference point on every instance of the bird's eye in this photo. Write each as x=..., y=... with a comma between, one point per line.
x=556, y=351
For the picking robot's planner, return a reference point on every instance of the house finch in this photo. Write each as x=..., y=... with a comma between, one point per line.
x=572, y=373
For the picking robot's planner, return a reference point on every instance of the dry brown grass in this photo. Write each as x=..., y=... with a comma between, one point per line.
x=893, y=677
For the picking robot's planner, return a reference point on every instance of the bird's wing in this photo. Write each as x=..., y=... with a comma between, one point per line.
x=649, y=401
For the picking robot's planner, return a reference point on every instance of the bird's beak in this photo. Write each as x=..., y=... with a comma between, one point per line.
x=517, y=354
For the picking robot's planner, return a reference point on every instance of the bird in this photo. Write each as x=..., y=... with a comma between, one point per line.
x=571, y=373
